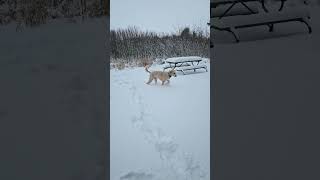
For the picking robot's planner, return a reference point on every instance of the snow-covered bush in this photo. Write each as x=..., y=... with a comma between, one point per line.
x=144, y=62
x=36, y=12
x=95, y=9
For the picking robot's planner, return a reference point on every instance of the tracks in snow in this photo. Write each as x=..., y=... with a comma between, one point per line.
x=175, y=165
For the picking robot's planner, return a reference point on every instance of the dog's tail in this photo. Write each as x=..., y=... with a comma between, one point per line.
x=146, y=68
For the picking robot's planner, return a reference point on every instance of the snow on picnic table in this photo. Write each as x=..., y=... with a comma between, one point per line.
x=260, y=34
x=159, y=132
x=183, y=59
x=286, y=14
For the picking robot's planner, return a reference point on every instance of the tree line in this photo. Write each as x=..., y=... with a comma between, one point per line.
x=132, y=44
x=35, y=12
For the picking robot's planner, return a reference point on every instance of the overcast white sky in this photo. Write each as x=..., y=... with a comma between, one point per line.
x=159, y=15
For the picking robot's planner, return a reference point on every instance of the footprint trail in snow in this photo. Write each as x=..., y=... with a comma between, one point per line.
x=175, y=165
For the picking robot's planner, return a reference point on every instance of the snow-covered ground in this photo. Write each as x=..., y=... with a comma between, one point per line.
x=156, y=131
x=155, y=128
x=275, y=74
x=52, y=107
x=59, y=41
x=159, y=132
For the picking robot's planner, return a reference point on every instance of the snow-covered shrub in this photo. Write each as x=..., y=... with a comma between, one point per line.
x=36, y=12
x=55, y=13
x=33, y=12
x=142, y=62
x=95, y=9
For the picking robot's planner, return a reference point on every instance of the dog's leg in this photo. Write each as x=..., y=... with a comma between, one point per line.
x=150, y=79
x=162, y=82
x=168, y=81
x=155, y=80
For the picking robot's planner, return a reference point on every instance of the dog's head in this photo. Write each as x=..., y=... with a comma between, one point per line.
x=172, y=72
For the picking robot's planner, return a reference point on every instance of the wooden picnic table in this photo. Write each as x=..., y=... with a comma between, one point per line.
x=234, y=22
x=183, y=61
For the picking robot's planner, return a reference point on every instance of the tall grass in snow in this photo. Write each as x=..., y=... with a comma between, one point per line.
x=131, y=45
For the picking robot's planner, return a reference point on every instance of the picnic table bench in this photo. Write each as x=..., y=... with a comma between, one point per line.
x=220, y=20
x=185, y=63
x=183, y=69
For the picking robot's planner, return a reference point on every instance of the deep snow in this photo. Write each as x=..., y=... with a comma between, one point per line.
x=159, y=132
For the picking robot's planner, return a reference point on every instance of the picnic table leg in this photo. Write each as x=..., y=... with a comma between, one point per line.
x=247, y=7
x=182, y=71
x=233, y=33
x=307, y=24
x=282, y=4
x=167, y=67
x=180, y=64
x=227, y=10
x=175, y=65
x=264, y=6
x=270, y=27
